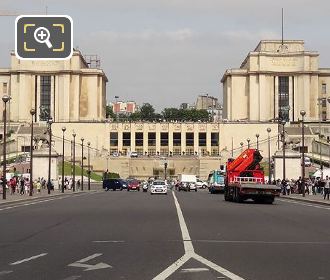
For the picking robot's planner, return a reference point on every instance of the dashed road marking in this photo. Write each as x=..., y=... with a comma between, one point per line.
x=29, y=259
x=108, y=241
x=4, y=272
x=194, y=269
x=190, y=252
x=73, y=277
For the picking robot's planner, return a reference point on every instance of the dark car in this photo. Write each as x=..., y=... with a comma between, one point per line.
x=124, y=182
x=113, y=184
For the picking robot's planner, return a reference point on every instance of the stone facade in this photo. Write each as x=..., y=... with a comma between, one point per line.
x=274, y=81
x=68, y=89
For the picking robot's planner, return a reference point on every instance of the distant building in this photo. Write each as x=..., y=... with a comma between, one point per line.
x=206, y=102
x=211, y=104
x=120, y=107
x=184, y=106
x=277, y=81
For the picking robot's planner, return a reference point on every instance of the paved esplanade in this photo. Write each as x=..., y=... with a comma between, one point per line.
x=133, y=235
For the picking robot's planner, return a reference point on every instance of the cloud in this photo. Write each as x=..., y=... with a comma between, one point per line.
x=148, y=35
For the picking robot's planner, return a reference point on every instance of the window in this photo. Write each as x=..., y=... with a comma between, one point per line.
x=214, y=139
x=45, y=97
x=126, y=139
x=202, y=139
x=324, y=89
x=164, y=139
x=151, y=138
x=189, y=139
x=139, y=139
x=113, y=138
x=176, y=139
x=4, y=88
x=283, y=98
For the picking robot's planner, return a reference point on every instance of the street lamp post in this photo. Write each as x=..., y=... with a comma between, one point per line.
x=269, y=160
x=165, y=169
x=32, y=112
x=241, y=146
x=82, y=163
x=257, y=136
x=303, y=113
x=283, y=148
x=74, y=162
x=320, y=102
x=248, y=141
x=50, y=121
x=5, y=99
x=89, y=166
x=63, y=131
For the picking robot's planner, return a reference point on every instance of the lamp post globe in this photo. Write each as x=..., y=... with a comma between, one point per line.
x=6, y=98
x=257, y=136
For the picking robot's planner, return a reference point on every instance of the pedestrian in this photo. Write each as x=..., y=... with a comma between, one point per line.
x=21, y=183
x=78, y=185
x=27, y=185
x=38, y=185
x=288, y=188
x=327, y=188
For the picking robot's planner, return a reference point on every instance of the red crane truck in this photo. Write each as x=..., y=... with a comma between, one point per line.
x=245, y=179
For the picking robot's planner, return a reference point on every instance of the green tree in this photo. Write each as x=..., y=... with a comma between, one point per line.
x=172, y=114
x=147, y=112
x=109, y=112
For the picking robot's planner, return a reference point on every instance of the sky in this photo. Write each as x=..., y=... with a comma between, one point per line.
x=166, y=52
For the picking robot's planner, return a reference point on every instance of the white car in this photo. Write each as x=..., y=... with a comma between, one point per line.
x=158, y=187
x=201, y=184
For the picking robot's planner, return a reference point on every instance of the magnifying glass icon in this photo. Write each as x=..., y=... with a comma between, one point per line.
x=41, y=35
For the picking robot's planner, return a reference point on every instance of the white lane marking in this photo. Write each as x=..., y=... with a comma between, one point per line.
x=81, y=263
x=173, y=267
x=38, y=202
x=188, y=246
x=4, y=272
x=184, y=270
x=108, y=241
x=190, y=252
x=29, y=259
x=304, y=204
x=73, y=277
x=266, y=242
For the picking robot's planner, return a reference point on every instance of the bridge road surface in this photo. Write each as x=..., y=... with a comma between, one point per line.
x=184, y=235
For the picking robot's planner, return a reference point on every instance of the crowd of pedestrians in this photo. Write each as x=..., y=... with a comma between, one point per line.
x=22, y=186
x=313, y=186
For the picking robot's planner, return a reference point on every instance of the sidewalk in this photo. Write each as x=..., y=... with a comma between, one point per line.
x=43, y=194
x=318, y=198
